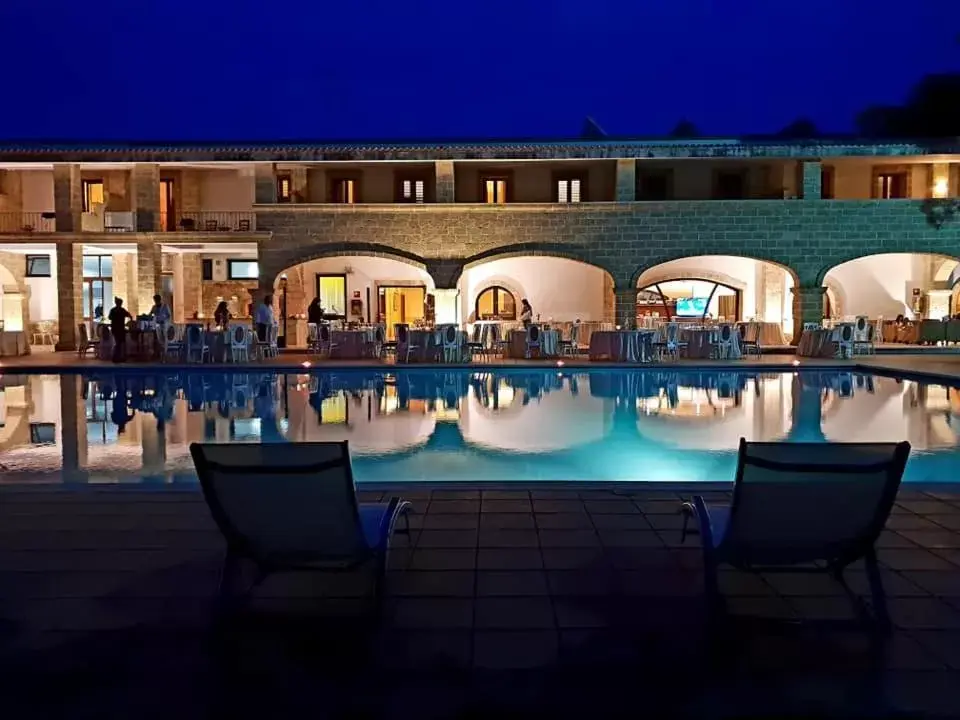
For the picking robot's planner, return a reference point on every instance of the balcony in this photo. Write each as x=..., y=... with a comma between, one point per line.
x=27, y=222
x=230, y=221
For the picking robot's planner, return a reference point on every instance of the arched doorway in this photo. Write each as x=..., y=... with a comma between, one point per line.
x=495, y=303
x=690, y=298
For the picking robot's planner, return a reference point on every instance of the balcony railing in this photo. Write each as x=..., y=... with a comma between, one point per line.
x=27, y=222
x=209, y=222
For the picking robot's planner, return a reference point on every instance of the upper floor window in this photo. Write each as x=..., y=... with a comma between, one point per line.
x=655, y=185
x=38, y=266
x=827, y=191
x=242, y=270
x=570, y=190
x=344, y=190
x=284, y=189
x=730, y=185
x=890, y=185
x=412, y=191
x=495, y=190
x=91, y=194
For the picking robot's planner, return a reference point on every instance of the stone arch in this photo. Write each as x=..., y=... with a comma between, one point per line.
x=655, y=262
x=708, y=275
x=947, y=272
x=837, y=262
x=838, y=296
x=272, y=267
x=564, y=252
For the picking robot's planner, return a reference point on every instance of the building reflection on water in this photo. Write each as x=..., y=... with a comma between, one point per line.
x=510, y=425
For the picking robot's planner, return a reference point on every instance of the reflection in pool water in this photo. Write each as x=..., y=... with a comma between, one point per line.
x=464, y=426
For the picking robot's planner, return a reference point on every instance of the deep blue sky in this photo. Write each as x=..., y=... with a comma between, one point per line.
x=321, y=69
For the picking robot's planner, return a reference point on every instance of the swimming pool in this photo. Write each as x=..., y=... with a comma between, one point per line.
x=499, y=426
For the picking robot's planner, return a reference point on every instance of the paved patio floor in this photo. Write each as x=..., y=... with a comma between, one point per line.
x=545, y=601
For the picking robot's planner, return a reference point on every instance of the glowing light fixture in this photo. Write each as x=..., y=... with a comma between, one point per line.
x=796, y=363
x=940, y=187
x=305, y=363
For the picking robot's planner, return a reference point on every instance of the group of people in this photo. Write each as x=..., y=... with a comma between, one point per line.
x=119, y=316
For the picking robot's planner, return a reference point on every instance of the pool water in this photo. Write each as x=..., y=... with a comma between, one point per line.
x=502, y=426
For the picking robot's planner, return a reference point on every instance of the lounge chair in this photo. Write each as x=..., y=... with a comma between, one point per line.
x=801, y=503
x=292, y=507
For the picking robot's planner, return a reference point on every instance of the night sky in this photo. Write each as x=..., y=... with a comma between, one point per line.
x=354, y=69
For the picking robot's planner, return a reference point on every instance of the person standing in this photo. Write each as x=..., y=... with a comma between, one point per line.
x=118, y=328
x=315, y=312
x=160, y=312
x=264, y=318
x=526, y=313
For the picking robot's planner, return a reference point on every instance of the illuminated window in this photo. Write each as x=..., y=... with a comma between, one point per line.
x=332, y=291
x=496, y=303
x=284, y=191
x=344, y=190
x=242, y=270
x=92, y=194
x=495, y=191
x=412, y=191
x=890, y=185
x=569, y=190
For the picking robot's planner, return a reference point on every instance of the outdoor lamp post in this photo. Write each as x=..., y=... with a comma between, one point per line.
x=282, y=341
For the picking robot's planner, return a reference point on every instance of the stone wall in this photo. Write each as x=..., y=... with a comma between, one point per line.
x=228, y=290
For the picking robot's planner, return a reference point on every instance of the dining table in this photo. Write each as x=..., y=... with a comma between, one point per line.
x=622, y=345
x=517, y=344
x=818, y=343
x=352, y=344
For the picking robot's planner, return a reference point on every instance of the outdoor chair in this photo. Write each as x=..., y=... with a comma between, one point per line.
x=451, y=343
x=291, y=507
x=532, y=341
x=866, y=345
x=239, y=343
x=477, y=337
x=84, y=343
x=197, y=344
x=751, y=339
x=170, y=342
x=795, y=504
x=402, y=333
x=571, y=347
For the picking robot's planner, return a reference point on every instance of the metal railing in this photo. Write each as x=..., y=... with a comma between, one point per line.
x=27, y=222
x=209, y=222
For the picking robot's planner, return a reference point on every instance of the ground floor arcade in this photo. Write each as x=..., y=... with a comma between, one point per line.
x=45, y=288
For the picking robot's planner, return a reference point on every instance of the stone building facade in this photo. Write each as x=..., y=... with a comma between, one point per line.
x=807, y=207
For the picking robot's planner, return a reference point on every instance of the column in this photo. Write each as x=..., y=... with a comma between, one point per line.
x=807, y=307
x=445, y=190
x=265, y=184
x=148, y=274
x=626, y=306
x=69, y=262
x=446, y=305
x=939, y=181
x=626, y=180
x=299, y=190
x=67, y=198
x=812, y=180
x=145, y=182
x=73, y=428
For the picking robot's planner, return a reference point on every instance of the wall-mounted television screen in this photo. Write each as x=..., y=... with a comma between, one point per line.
x=691, y=307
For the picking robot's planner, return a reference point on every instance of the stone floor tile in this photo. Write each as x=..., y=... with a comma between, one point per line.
x=513, y=613
x=908, y=521
x=675, y=583
x=506, y=506
x=951, y=556
x=894, y=584
x=582, y=612
x=890, y=539
x=917, y=559
x=431, y=583
x=623, y=522
x=608, y=507
x=630, y=538
x=455, y=494
x=922, y=694
x=447, y=539
x=923, y=614
x=509, y=559
x=825, y=608
x=944, y=644
x=437, y=559
x=508, y=538
x=597, y=646
x=809, y=584
x=426, y=650
x=666, y=522
x=924, y=507
x=569, y=495
x=511, y=583
x=450, y=521
x=435, y=613
x=495, y=650
x=506, y=495
x=591, y=581
x=597, y=494
x=453, y=506
x=565, y=521
x=507, y=521
x=568, y=538
x=659, y=507
x=632, y=558
x=951, y=522
x=936, y=582
x=572, y=558
x=737, y=582
x=933, y=539
x=758, y=606
x=558, y=506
